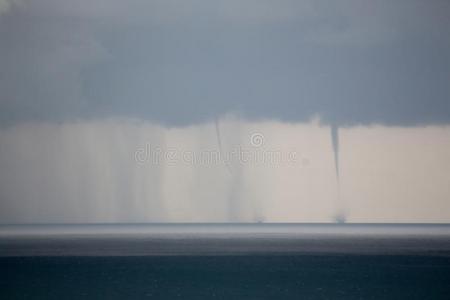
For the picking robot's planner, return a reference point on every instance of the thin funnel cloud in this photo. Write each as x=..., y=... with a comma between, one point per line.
x=340, y=216
x=335, y=144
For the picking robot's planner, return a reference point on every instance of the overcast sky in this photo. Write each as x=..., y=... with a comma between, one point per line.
x=363, y=85
x=184, y=62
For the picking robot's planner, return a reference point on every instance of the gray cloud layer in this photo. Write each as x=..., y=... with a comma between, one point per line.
x=185, y=62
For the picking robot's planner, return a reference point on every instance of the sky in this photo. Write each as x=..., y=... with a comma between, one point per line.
x=353, y=96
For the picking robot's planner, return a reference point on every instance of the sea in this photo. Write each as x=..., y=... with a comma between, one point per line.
x=225, y=261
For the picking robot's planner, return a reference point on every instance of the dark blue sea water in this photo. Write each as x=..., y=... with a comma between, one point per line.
x=225, y=262
x=226, y=277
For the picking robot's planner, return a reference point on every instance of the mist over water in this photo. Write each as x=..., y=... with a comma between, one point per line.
x=120, y=170
x=223, y=239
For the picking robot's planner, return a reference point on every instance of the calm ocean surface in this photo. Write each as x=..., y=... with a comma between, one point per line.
x=225, y=262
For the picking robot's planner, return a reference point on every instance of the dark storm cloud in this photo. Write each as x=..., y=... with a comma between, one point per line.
x=184, y=62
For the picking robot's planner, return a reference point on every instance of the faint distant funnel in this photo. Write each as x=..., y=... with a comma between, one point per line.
x=335, y=142
x=219, y=142
x=234, y=207
x=340, y=216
